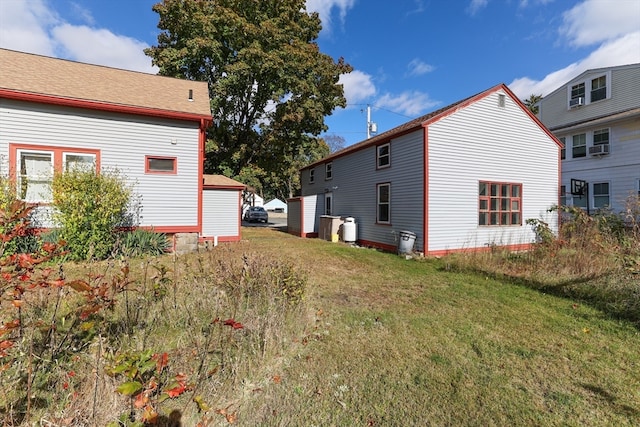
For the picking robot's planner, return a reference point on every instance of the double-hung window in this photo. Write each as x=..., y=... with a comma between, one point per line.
x=35, y=169
x=601, y=137
x=500, y=203
x=600, y=195
x=383, y=215
x=579, y=145
x=383, y=156
x=312, y=176
x=598, y=88
x=563, y=150
x=328, y=171
x=35, y=176
x=577, y=92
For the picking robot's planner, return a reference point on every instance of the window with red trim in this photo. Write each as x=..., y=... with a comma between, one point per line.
x=34, y=166
x=500, y=203
x=161, y=165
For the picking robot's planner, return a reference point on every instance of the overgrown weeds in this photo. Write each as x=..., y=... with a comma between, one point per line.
x=165, y=339
x=594, y=258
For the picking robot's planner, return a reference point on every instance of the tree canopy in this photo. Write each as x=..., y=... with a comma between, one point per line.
x=270, y=86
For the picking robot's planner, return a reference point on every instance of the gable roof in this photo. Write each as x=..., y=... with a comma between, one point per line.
x=420, y=122
x=50, y=80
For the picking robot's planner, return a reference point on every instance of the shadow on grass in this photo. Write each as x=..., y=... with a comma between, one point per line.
x=616, y=295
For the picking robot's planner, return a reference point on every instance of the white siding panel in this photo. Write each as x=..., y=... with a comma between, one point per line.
x=221, y=210
x=484, y=142
x=123, y=141
x=311, y=215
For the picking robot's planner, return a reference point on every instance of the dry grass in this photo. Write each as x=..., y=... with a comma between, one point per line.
x=378, y=341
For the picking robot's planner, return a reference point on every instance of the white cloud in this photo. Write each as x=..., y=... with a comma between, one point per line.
x=591, y=22
x=358, y=86
x=409, y=103
x=325, y=7
x=596, y=21
x=418, y=67
x=33, y=26
x=23, y=26
x=624, y=50
x=476, y=5
x=102, y=47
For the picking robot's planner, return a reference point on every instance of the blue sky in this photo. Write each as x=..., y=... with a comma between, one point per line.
x=409, y=56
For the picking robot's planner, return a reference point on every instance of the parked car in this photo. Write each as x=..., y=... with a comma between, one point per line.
x=256, y=213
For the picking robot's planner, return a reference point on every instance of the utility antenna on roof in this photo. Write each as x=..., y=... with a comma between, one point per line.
x=372, y=128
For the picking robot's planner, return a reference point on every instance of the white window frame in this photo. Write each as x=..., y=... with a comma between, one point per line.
x=328, y=203
x=328, y=171
x=380, y=203
x=597, y=203
x=381, y=157
x=574, y=146
x=47, y=177
x=85, y=155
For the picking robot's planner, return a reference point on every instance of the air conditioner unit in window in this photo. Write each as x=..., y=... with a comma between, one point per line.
x=599, y=150
x=576, y=102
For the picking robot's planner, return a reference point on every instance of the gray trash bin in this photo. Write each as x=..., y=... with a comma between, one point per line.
x=406, y=240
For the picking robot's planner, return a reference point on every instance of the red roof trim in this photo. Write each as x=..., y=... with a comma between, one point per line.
x=101, y=106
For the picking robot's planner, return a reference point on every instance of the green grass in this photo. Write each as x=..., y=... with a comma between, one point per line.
x=406, y=342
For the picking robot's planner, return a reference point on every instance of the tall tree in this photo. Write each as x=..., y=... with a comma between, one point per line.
x=270, y=85
x=532, y=103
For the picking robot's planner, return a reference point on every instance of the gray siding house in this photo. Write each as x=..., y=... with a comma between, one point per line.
x=465, y=177
x=596, y=116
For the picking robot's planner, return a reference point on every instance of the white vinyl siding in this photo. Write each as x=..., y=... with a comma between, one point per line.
x=473, y=145
x=123, y=141
x=221, y=213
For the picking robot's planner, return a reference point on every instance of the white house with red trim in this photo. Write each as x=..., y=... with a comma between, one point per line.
x=55, y=114
x=465, y=177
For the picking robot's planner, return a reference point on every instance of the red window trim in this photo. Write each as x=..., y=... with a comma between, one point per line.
x=487, y=198
x=57, y=151
x=147, y=170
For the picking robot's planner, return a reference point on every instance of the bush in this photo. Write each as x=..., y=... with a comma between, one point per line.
x=141, y=242
x=89, y=208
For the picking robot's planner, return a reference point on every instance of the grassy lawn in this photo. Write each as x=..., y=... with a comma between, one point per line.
x=403, y=342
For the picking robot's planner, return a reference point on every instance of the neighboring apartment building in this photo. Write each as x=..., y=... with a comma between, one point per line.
x=597, y=116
